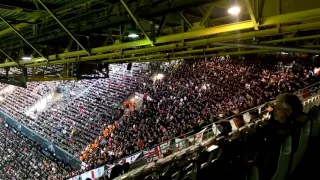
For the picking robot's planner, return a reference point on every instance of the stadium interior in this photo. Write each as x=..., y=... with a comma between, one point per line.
x=159, y=89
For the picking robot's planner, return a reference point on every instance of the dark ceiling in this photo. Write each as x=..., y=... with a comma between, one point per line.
x=66, y=31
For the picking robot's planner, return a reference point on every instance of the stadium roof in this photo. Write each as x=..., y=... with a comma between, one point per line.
x=62, y=32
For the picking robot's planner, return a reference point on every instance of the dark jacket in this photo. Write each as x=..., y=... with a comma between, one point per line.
x=274, y=135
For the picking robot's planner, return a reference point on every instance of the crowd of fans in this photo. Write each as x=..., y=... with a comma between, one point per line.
x=84, y=108
x=191, y=94
x=23, y=159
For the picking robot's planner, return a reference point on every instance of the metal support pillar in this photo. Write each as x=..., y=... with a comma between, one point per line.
x=162, y=24
x=70, y=45
x=123, y=32
x=17, y=62
x=110, y=36
x=152, y=30
x=136, y=21
x=279, y=6
x=256, y=8
x=106, y=41
x=63, y=27
x=261, y=6
x=272, y=48
x=185, y=20
x=182, y=29
x=20, y=35
x=225, y=37
x=36, y=4
x=207, y=15
x=253, y=18
x=203, y=14
x=65, y=70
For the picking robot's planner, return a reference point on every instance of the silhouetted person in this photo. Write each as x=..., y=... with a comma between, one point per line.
x=288, y=120
x=116, y=171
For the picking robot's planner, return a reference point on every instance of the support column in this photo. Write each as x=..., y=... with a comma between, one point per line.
x=19, y=34
x=136, y=21
x=253, y=18
x=63, y=27
x=207, y=15
x=162, y=24
x=17, y=62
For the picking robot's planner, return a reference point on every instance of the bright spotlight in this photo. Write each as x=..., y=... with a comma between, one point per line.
x=26, y=58
x=133, y=35
x=234, y=10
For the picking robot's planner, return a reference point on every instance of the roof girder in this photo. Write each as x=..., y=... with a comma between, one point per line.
x=148, y=10
x=245, y=25
x=227, y=38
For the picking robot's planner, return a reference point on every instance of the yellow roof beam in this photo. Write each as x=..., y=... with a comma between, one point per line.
x=253, y=18
x=207, y=14
x=290, y=17
x=202, y=56
x=273, y=20
x=233, y=37
x=31, y=18
x=247, y=35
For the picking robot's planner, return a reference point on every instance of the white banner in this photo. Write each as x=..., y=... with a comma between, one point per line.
x=215, y=130
x=98, y=172
x=164, y=147
x=152, y=154
x=180, y=143
x=233, y=125
x=76, y=178
x=247, y=117
x=132, y=158
x=86, y=175
x=93, y=174
x=197, y=138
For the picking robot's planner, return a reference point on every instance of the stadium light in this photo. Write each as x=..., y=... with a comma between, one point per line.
x=235, y=10
x=133, y=35
x=26, y=58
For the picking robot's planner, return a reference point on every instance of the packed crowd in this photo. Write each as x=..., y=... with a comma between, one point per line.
x=22, y=159
x=191, y=94
x=81, y=109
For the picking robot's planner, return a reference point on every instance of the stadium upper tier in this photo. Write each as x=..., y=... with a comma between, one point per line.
x=88, y=118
